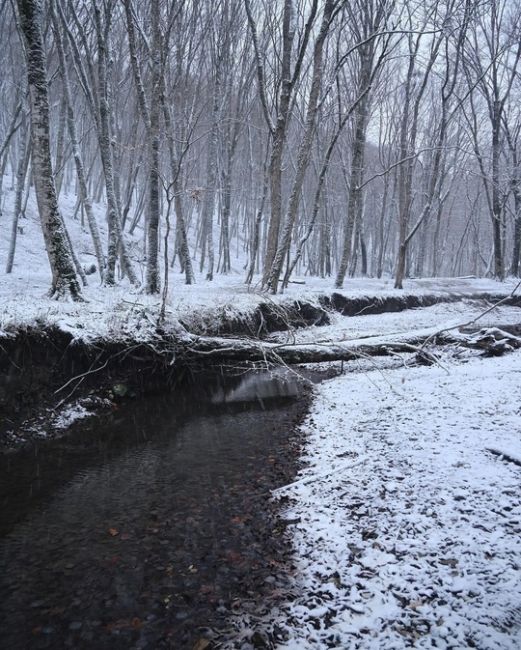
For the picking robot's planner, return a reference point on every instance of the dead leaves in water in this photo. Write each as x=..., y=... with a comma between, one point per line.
x=114, y=532
x=238, y=520
x=201, y=644
x=125, y=624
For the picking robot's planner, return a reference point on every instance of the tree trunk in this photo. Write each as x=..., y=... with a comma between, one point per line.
x=64, y=279
x=354, y=203
x=497, y=208
x=225, y=218
x=76, y=151
x=279, y=139
x=175, y=170
x=304, y=151
x=247, y=350
x=208, y=207
x=517, y=232
x=24, y=155
x=60, y=147
x=116, y=245
x=152, y=271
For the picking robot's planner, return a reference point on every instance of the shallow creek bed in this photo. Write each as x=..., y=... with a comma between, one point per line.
x=149, y=526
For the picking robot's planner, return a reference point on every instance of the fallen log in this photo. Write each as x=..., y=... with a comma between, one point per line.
x=494, y=341
x=508, y=328
x=491, y=341
x=227, y=349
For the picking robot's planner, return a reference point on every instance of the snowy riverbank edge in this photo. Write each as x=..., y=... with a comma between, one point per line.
x=67, y=340
x=408, y=528
x=124, y=312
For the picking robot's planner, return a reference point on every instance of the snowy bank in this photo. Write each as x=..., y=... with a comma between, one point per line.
x=213, y=308
x=408, y=528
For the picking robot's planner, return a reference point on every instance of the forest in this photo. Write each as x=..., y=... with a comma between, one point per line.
x=260, y=334
x=277, y=140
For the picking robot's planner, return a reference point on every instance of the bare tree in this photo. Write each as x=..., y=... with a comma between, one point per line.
x=513, y=138
x=325, y=138
x=76, y=150
x=366, y=21
x=64, y=279
x=21, y=173
x=491, y=64
x=285, y=83
x=416, y=81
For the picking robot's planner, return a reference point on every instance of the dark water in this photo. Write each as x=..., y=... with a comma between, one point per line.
x=145, y=528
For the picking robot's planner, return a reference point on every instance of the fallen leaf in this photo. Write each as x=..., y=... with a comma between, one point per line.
x=120, y=624
x=414, y=604
x=201, y=644
x=452, y=562
x=114, y=532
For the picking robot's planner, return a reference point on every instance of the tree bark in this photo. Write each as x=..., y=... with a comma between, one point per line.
x=24, y=154
x=279, y=138
x=152, y=271
x=64, y=279
x=208, y=207
x=225, y=349
x=304, y=150
x=116, y=245
x=76, y=151
x=354, y=203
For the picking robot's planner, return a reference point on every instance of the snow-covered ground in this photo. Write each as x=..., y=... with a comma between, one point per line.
x=409, y=529
x=437, y=317
x=125, y=309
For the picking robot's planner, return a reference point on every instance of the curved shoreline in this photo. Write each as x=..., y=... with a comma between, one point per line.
x=46, y=367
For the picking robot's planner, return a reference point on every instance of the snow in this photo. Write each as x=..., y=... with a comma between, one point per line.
x=125, y=310
x=393, y=325
x=72, y=413
x=409, y=530
x=58, y=420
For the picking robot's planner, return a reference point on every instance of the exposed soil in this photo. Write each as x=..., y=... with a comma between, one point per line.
x=270, y=317
x=38, y=364
x=366, y=305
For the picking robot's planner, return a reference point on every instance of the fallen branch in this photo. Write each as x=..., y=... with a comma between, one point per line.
x=470, y=323
x=318, y=477
x=504, y=456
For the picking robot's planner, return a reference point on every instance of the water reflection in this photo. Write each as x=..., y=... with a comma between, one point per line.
x=260, y=387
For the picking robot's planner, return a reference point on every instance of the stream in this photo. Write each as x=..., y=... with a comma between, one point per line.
x=148, y=527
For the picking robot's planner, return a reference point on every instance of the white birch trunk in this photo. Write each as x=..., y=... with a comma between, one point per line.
x=24, y=155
